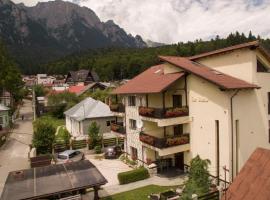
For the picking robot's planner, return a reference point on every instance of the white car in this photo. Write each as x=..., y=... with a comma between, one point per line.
x=69, y=156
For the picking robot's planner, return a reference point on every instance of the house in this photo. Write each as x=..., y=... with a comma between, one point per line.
x=253, y=181
x=4, y=117
x=215, y=105
x=80, y=116
x=81, y=77
x=44, y=79
x=92, y=87
x=6, y=99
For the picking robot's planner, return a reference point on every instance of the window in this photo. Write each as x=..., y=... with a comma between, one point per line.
x=132, y=101
x=217, y=148
x=132, y=124
x=178, y=130
x=1, y=120
x=261, y=67
x=108, y=123
x=134, y=153
x=268, y=102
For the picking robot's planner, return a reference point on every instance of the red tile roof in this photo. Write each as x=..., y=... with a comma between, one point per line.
x=76, y=89
x=253, y=181
x=224, y=81
x=153, y=80
x=251, y=45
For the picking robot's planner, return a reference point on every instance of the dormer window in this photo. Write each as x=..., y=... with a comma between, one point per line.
x=261, y=67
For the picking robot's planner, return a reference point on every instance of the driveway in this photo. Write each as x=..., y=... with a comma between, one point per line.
x=109, y=168
x=14, y=153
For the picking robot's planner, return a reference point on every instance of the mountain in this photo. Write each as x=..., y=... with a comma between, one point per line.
x=151, y=43
x=50, y=30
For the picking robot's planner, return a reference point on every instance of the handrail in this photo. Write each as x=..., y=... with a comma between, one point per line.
x=164, y=142
x=163, y=112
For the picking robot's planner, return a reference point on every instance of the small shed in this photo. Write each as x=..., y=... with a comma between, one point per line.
x=54, y=181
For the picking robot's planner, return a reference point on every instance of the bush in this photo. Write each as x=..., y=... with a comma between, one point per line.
x=133, y=175
x=98, y=149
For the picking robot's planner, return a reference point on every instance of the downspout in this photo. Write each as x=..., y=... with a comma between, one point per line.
x=232, y=128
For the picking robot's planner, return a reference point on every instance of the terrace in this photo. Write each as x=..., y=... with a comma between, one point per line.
x=118, y=109
x=165, y=116
x=118, y=128
x=166, y=145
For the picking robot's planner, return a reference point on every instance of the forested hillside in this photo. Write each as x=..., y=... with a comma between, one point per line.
x=115, y=64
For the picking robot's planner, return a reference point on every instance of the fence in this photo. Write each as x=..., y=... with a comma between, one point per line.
x=40, y=161
x=210, y=196
x=79, y=144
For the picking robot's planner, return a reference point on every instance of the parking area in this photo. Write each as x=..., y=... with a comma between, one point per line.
x=109, y=168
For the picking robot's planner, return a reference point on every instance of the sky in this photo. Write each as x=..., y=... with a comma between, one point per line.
x=171, y=21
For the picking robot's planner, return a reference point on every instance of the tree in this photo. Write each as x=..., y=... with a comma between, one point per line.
x=44, y=135
x=94, y=135
x=98, y=94
x=40, y=90
x=10, y=77
x=198, y=179
x=61, y=102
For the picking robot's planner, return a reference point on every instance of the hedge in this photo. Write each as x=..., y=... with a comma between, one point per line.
x=133, y=175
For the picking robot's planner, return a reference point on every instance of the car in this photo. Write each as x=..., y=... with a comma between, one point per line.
x=112, y=152
x=69, y=156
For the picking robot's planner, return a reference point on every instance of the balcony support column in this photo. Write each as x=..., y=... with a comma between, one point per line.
x=164, y=131
x=186, y=98
x=146, y=99
x=163, y=100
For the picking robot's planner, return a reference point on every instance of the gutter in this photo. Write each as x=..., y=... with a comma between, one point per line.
x=232, y=132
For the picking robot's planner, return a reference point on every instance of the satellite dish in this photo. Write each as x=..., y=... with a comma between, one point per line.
x=139, y=124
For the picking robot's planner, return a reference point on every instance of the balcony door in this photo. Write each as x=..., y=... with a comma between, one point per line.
x=177, y=101
x=179, y=160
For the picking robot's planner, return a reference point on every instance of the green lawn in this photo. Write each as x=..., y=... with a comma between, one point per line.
x=140, y=193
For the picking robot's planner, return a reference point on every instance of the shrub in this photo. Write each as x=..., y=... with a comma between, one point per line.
x=133, y=175
x=44, y=135
x=98, y=149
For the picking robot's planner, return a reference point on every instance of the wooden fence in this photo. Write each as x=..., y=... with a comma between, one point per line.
x=40, y=161
x=210, y=196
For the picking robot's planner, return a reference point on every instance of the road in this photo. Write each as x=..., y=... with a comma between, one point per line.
x=14, y=153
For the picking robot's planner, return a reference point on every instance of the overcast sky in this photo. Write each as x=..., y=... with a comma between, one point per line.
x=171, y=21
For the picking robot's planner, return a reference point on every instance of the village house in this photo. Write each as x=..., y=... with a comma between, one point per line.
x=214, y=104
x=4, y=117
x=44, y=79
x=6, y=99
x=80, y=116
x=81, y=77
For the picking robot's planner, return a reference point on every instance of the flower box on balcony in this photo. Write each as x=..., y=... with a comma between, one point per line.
x=176, y=112
x=147, y=139
x=144, y=111
x=177, y=140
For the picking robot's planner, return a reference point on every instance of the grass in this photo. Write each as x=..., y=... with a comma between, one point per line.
x=140, y=193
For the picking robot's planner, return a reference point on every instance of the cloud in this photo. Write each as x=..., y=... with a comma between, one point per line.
x=182, y=20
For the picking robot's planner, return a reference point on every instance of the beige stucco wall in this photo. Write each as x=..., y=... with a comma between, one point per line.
x=237, y=63
x=207, y=104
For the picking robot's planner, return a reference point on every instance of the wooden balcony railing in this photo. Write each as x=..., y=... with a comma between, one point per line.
x=118, y=107
x=164, y=142
x=163, y=113
x=118, y=127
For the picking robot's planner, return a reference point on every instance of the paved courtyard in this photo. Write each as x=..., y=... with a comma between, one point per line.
x=14, y=153
x=109, y=168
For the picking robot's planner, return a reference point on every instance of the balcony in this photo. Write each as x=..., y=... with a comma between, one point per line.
x=166, y=146
x=118, y=109
x=118, y=128
x=166, y=116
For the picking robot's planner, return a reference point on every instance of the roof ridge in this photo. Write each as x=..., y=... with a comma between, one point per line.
x=224, y=82
x=254, y=44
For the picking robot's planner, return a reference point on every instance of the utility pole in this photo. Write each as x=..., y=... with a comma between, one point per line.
x=34, y=101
